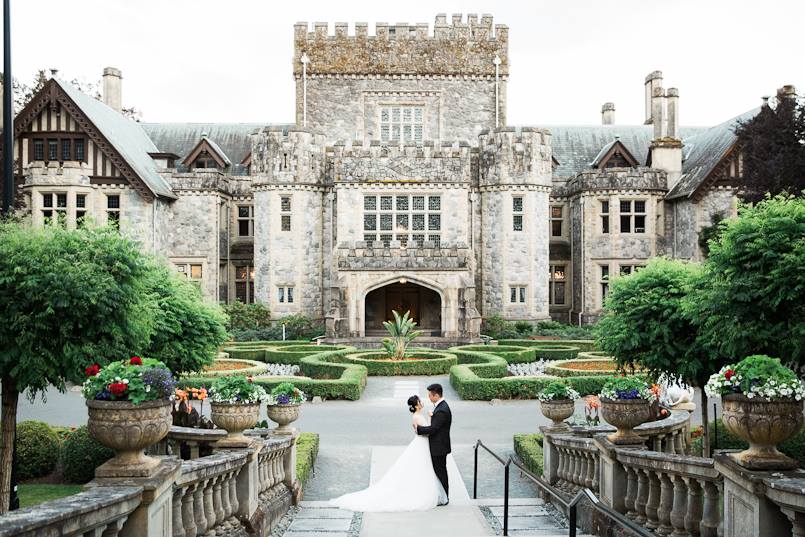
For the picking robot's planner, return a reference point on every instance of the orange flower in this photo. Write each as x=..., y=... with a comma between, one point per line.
x=181, y=394
x=202, y=394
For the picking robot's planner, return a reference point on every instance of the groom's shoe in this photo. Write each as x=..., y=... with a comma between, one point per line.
x=445, y=503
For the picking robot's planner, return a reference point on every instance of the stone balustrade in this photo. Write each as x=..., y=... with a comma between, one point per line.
x=231, y=492
x=189, y=443
x=578, y=463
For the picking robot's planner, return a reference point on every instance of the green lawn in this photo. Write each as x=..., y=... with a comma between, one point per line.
x=31, y=495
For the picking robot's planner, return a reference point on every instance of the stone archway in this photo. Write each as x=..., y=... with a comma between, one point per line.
x=424, y=304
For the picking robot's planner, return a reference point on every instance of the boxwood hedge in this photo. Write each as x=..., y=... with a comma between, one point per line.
x=292, y=354
x=307, y=449
x=511, y=353
x=581, y=344
x=379, y=364
x=331, y=376
x=529, y=448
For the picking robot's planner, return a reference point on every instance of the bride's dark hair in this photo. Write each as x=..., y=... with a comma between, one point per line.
x=413, y=401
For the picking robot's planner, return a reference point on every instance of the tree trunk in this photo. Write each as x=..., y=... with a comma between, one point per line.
x=705, y=427
x=8, y=418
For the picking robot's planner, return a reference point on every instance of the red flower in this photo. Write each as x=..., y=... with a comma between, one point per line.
x=118, y=388
x=729, y=374
x=136, y=360
x=92, y=370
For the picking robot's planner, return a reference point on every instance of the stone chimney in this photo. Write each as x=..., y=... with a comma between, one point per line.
x=672, y=110
x=787, y=92
x=608, y=114
x=658, y=112
x=113, y=88
x=653, y=81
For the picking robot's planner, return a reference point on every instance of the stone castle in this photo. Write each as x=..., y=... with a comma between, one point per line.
x=399, y=186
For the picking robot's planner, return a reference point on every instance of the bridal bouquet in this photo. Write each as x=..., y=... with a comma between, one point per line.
x=756, y=376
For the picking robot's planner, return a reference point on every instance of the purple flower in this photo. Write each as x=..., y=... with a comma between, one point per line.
x=161, y=382
x=283, y=399
x=104, y=395
x=628, y=394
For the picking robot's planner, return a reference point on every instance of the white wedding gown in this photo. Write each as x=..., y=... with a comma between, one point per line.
x=410, y=484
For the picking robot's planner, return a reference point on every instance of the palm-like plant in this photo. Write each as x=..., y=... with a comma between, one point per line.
x=402, y=332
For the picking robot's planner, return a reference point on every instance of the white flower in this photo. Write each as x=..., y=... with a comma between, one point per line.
x=147, y=389
x=125, y=381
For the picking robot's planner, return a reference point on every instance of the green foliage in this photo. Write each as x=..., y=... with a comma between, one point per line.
x=68, y=299
x=307, y=449
x=125, y=380
x=81, y=455
x=645, y=324
x=626, y=388
x=550, y=325
x=237, y=389
x=285, y=393
x=37, y=449
x=402, y=332
x=563, y=331
x=710, y=233
x=31, y=495
x=580, y=344
x=558, y=369
x=759, y=368
x=428, y=363
x=187, y=330
x=293, y=354
x=297, y=327
x=523, y=327
x=557, y=390
x=247, y=316
x=512, y=354
x=497, y=327
x=529, y=448
x=751, y=299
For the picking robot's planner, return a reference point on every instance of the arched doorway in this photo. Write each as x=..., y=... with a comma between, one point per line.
x=424, y=304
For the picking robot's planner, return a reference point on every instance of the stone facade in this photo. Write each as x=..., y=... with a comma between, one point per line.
x=398, y=181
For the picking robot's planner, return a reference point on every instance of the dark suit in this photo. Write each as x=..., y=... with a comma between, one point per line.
x=438, y=433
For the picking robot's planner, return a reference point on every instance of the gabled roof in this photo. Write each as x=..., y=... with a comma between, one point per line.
x=703, y=152
x=610, y=149
x=213, y=149
x=233, y=139
x=126, y=137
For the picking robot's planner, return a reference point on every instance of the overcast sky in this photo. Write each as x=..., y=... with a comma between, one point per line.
x=230, y=61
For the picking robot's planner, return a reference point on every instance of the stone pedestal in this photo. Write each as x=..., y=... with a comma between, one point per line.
x=248, y=485
x=612, y=478
x=154, y=516
x=748, y=512
x=289, y=464
x=550, y=457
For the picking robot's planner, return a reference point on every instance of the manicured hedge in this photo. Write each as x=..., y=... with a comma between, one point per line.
x=592, y=355
x=481, y=376
x=292, y=354
x=331, y=376
x=511, y=353
x=379, y=364
x=529, y=448
x=581, y=344
x=81, y=454
x=266, y=343
x=307, y=449
x=255, y=368
x=558, y=369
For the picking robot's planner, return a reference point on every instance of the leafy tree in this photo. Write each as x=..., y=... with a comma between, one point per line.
x=645, y=324
x=710, y=233
x=67, y=299
x=754, y=298
x=773, y=148
x=187, y=331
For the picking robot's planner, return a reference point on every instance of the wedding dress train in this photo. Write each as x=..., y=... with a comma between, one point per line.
x=410, y=484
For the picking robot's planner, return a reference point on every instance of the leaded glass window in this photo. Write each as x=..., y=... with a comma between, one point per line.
x=401, y=123
x=400, y=215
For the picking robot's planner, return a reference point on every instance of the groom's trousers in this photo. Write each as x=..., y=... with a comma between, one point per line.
x=440, y=467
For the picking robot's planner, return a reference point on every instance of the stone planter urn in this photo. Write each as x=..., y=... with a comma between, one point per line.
x=625, y=415
x=234, y=418
x=128, y=429
x=764, y=424
x=284, y=415
x=558, y=410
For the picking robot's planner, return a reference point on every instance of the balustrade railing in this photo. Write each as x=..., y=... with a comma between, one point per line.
x=578, y=463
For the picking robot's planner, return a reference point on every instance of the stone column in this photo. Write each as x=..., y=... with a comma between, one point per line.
x=614, y=480
x=550, y=459
x=248, y=484
x=289, y=465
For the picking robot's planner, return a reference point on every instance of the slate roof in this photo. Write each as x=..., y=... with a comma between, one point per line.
x=577, y=146
x=703, y=152
x=127, y=137
x=215, y=147
x=233, y=139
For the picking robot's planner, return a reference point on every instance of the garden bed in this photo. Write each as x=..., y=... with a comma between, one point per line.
x=585, y=367
x=416, y=362
x=511, y=353
x=582, y=345
x=224, y=367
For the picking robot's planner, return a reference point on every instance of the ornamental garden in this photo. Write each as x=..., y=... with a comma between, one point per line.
x=88, y=307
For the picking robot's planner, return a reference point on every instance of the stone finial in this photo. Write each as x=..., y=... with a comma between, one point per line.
x=608, y=114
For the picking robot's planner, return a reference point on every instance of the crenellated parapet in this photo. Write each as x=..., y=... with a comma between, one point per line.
x=448, y=162
x=458, y=47
x=287, y=155
x=515, y=156
x=615, y=179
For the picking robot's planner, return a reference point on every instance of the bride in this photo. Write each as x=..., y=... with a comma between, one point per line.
x=409, y=485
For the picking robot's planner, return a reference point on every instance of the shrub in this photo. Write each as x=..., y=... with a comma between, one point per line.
x=307, y=449
x=581, y=344
x=523, y=327
x=497, y=327
x=81, y=455
x=378, y=363
x=551, y=325
x=510, y=353
x=273, y=332
x=529, y=448
x=563, y=331
x=247, y=316
x=292, y=354
x=37, y=449
x=297, y=327
x=556, y=352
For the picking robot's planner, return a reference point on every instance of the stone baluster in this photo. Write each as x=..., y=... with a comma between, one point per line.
x=631, y=492
x=226, y=505
x=641, y=501
x=596, y=471
x=198, y=509
x=693, y=516
x=666, y=505
x=669, y=443
x=563, y=463
x=652, y=520
x=113, y=528
x=580, y=476
x=568, y=469
x=680, y=507
x=217, y=501
x=679, y=442
x=233, y=492
x=590, y=474
x=712, y=511
x=209, y=507
x=797, y=522
x=279, y=461
x=656, y=442
x=178, y=527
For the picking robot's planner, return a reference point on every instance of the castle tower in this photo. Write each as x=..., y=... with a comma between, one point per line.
x=514, y=185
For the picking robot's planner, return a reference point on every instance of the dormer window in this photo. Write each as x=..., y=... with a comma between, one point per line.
x=614, y=155
x=207, y=154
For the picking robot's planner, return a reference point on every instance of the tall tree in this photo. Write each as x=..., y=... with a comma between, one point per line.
x=773, y=148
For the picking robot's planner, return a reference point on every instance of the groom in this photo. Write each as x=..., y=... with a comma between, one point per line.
x=438, y=433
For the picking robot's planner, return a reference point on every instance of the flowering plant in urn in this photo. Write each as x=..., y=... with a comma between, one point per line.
x=235, y=403
x=283, y=406
x=129, y=405
x=762, y=403
x=626, y=403
x=557, y=401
